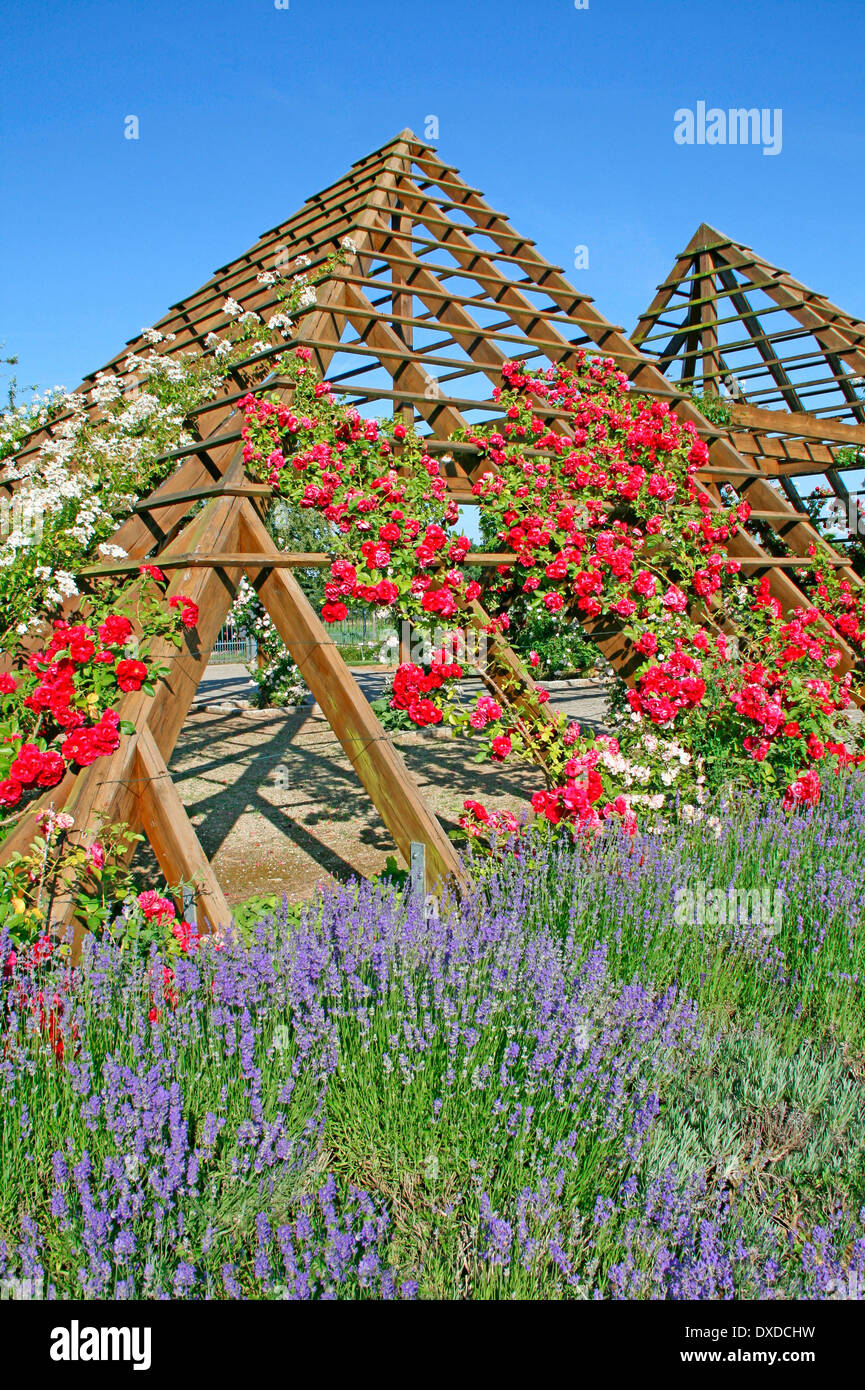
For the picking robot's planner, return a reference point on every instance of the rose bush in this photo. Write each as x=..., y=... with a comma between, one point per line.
x=57, y=705
x=592, y=487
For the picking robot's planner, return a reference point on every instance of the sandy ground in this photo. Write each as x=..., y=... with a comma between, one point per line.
x=278, y=808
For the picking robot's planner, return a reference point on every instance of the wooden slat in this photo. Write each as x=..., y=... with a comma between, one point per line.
x=798, y=424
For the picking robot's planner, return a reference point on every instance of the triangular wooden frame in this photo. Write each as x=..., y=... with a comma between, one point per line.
x=416, y=227
x=726, y=321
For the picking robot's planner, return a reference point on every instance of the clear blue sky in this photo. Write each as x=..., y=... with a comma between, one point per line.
x=563, y=117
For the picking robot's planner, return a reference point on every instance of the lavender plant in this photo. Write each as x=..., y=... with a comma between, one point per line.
x=555, y=1087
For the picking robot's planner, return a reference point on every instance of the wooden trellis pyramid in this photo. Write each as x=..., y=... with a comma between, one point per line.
x=790, y=364
x=440, y=293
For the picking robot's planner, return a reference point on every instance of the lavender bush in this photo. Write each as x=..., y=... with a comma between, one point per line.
x=553, y=1088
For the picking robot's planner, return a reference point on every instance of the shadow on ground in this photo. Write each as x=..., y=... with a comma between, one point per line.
x=278, y=807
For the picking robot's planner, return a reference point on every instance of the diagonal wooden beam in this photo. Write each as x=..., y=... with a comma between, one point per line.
x=370, y=751
x=163, y=819
x=666, y=291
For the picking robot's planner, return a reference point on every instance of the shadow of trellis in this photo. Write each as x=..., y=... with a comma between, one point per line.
x=306, y=747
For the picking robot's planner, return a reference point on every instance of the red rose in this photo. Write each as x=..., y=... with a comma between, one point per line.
x=334, y=612
x=130, y=674
x=7, y=685
x=53, y=768
x=386, y=592
x=10, y=792
x=78, y=748
x=114, y=631
x=104, y=736
x=27, y=766
x=81, y=650
x=154, y=907
x=424, y=712
x=188, y=609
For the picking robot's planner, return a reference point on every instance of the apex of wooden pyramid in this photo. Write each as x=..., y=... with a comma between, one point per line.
x=709, y=234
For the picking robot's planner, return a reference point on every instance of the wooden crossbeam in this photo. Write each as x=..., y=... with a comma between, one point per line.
x=798, y=424
x=279, y=559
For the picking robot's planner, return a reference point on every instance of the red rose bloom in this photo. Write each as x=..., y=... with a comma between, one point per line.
x=52, y=770
x=27, y=766
x=78, y=748
x=188, y=609
x=81, y=650
x=10, y=792
x=130, y=674
x=386, y=592
x=114, y=631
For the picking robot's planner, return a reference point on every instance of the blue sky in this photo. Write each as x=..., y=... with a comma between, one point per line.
x=563, y=117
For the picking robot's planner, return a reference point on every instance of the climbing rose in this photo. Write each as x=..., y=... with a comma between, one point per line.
x=130, y=674
x=188, y=609
x=10, y=792
x=115, y=630
x=154, y=907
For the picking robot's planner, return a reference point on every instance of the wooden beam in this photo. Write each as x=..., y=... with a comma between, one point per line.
x=162, y=816
x=391, y=787
x=798, y=424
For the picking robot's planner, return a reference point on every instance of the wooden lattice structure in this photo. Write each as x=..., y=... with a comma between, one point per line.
x=726, y=323
x=442, y=291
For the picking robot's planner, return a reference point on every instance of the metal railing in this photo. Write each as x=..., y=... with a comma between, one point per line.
x=362, y=631
x=366, y=632
x=232, y=645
